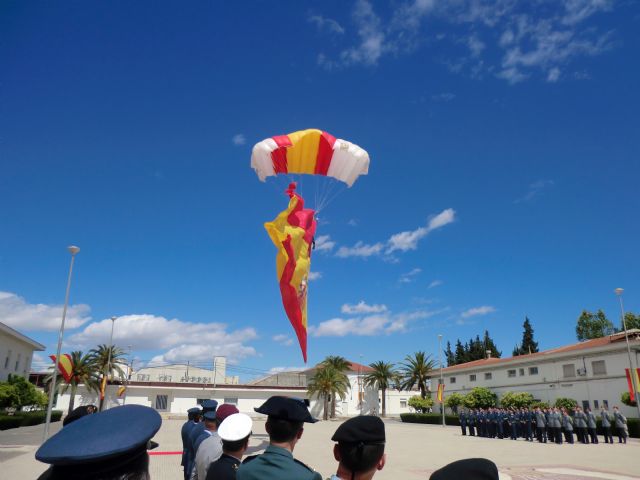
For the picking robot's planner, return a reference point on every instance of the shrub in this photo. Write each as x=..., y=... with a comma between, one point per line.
x=626, y=399
x=453, y=401
x=480, y=397
x=25, y=419
x=9, y=396
x=568, y=403
x=421, y=405
x=429, y=418
x=516, y=400
x=540, y=405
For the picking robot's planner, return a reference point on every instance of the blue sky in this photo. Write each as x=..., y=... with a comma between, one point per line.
x=503, y=139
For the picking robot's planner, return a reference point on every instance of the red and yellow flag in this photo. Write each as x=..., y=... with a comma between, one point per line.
x=65, y=366
x=636, y=372
x=440, y=393
x=292, y=233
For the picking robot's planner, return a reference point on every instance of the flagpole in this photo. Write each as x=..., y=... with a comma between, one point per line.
x=441, y=386
x=73, y=250
x=632, y=373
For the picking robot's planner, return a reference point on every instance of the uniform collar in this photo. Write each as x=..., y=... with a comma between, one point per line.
x=279, y=451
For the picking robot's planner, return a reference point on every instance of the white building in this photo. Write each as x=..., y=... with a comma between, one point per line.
x=16, y=352
x=591, y=372
x=185, y=373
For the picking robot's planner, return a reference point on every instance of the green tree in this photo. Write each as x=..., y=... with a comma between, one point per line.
x=326, y=383
x=542, y=405
x=84, y=372
x=528, y=345
x=461, y=353
x=108, y=361
x=626, y=399
x=453, y=401
x=593, y=325
x=421, y=405
x=381, y=378
x=9, y=396
x=480, y=397
x=631, y=320
x=568, y=403
x=489, y=344
x=449, y=355
x=415, y=371
x=341, y=365
x=516, y=400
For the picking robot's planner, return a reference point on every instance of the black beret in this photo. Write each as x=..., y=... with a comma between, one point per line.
x=367, y=429
x=476, y=468
x=114, y=435
x=286, y=408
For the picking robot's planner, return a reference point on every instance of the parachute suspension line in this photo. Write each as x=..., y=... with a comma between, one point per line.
x=327, y=195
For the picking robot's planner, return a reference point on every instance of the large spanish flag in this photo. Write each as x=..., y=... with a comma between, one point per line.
x=292, y=233
x=65, y=366
x=636, y=374
x=440, y=393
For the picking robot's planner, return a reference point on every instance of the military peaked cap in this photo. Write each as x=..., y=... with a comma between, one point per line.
x=286, y=408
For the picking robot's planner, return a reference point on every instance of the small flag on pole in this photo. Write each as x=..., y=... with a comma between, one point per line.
x=440, y=393
x=121, y=390
x=65, y=366
x=636, y=371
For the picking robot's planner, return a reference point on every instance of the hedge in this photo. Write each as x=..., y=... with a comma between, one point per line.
x=436, y=419
x=25, y=419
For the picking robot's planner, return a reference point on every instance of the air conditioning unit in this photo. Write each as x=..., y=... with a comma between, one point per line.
x=582, y=372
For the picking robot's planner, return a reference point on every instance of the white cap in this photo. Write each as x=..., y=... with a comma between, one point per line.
x=235, y=427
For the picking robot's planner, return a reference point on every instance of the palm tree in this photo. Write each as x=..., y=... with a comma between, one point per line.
x=381, y=378
x=109, y=361
x=341, y=365
x=416, y=370
x=327, y=383
x=83, y=371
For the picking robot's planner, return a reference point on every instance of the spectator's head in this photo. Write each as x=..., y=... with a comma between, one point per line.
x=193, y=413
x=467, y=469
x=285, y=417
x=235, y=432
x=111, y=445
x=223, y=412
x=360, y=447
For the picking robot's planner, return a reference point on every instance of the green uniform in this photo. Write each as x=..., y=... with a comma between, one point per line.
x=276, y=463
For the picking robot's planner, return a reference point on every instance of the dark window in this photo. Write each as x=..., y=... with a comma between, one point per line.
x=596, y=404
x=231, y=400
x=161, y=402
x=605, y=403
x=598, y=367
x=472, y=378
x=6, y=360
x=17, y=363
x=452, y=380
x=533, y=370
x=487, y=376
x=569, y=370
x=585, y=404
x=511, y=373
x=522, y=372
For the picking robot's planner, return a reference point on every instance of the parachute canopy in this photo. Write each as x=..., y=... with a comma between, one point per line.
x=312, y=152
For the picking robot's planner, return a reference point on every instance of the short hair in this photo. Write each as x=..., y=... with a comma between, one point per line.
x=136, y=469
x=235, y=445
x=358, y=457
x=282, y=430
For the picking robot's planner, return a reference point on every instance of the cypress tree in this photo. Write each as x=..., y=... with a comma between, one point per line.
x=451, y=359
x=528, y=345
x=461, y=353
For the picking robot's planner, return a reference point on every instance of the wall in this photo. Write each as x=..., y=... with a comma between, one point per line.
x=14, y=351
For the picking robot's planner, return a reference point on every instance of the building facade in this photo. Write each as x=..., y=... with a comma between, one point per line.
x=16, y=352
x=591, y=372
x=185, y=373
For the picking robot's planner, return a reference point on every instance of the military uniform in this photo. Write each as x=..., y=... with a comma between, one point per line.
x=606, y=425
x=471, y=422
x=581, y=426
x=621, y=426
x=462, y=418
x=196, y=436
x=556, y=421
x=224, y=468
x=184, y=433
x=513, y=425
x=541, y=424
x=567, y=425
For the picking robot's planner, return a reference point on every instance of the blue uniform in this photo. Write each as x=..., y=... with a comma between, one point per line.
x=276, y=462
x=462, y=417
x=184, y=432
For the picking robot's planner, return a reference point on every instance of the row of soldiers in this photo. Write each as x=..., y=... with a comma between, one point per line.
x=547, y=424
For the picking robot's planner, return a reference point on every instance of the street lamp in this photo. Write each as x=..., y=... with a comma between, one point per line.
x=73, y=250
x=441, y=386
x=107, y=367
x=626, y=336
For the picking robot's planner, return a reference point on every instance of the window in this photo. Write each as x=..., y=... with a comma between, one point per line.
x=596, y=405
x=472, y=378
x=164, y=378
x=6, y=360
x=141, y=377
x=585, y=404
x=200, y=400
x=522, y=372
x=598, y=367
x=605, y=403
x=17, y=363
x=533, y=370
x=487, y=376
x=161, y=402
x=231, y=401
x=511, y=373
x=403, y=403
x=569, y=370
x=452, y=380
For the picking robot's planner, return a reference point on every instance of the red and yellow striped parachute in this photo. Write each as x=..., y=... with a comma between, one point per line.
x=312, y=152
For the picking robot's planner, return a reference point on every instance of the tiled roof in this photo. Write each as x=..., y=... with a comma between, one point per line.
x=586, y=345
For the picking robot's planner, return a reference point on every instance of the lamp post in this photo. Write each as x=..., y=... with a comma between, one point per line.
x=626, y=336
x=441, y=381
x=107, y=367
x=73, y=250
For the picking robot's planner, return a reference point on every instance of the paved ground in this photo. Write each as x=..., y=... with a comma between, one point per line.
x=413, y=451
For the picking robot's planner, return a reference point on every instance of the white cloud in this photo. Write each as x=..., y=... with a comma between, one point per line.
x=352, y=222
x=476, y=46
x=362, y=307
x=474, y=312
x=327, y=24
x=360, y=249
x=283, y=339
x=16, y=312
x=239, y=139
x=324, y=243
x=314, y=276
x=409, y=277
x=181, y=340
x=372, y=38
x=553, y=75
x=443, y=218
x=578, y=10
x=443, y=97
x=535, y=189
x=405, y=241
x=435, y=283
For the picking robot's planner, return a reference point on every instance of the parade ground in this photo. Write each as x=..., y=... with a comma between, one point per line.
x=413, y=451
